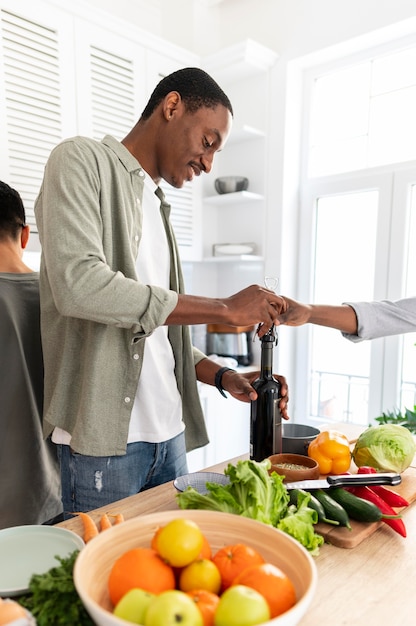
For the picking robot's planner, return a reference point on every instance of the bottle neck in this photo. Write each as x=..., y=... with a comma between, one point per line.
x=266, y=363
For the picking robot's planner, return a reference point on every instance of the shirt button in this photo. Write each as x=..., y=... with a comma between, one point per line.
x=136, y=237
x=135, y=357
x=137, y=200
x=141, y=173
x=126, y=399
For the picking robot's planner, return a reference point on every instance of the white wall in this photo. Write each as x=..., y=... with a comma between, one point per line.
x=301, y=32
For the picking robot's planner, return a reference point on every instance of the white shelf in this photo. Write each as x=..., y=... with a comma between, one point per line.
x=239, y=61
x=245, y=133
x=233, y=198
x=238, y=258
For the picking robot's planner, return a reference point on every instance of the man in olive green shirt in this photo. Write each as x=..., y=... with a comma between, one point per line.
x=114, y=312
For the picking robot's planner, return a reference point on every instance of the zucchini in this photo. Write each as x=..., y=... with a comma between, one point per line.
x=333, y=510
x=357, y=508
x=312, y=504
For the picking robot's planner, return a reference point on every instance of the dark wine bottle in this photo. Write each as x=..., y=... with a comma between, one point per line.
x=265, y=417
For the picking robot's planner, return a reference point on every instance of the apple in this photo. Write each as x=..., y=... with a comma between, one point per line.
x=241, y=606
x=133, y=605
x=173, y=608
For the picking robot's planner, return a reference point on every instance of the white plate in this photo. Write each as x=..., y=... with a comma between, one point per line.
x=28, y=550
x=198, y=481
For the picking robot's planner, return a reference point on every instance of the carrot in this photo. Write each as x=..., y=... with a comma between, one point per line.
x=105, y=522
x=90, y=527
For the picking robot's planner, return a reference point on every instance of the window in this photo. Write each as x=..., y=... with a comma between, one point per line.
x=358, y=217
x=362, y=115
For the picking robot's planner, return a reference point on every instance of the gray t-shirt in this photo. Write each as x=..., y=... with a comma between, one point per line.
x=383, y=318
x=29, y=471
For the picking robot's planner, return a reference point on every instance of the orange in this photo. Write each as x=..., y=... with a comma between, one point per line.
x=200, y=574
x=231, y=560
x=142, y=568
x=11, y=611
x=272, y=583
x=206, y=602
x=206, y=549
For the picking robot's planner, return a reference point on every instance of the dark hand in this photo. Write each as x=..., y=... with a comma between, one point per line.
x=239, y=386
x=294, y=313
x=254, y=305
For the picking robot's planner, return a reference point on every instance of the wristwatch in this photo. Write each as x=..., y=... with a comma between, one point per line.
x=218, y=379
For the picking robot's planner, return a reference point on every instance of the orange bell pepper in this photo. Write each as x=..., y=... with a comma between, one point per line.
x=331, y=450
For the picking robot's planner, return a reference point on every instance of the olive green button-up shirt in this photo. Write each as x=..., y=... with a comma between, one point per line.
x=95, y=312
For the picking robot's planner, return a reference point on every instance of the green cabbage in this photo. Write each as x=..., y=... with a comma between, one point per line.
x=388, y=447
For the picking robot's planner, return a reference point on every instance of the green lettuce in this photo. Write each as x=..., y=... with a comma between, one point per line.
x=298, y=522
x=254, y=493
x=388, y=447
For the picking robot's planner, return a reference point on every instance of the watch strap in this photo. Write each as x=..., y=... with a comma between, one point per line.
x=218, y=379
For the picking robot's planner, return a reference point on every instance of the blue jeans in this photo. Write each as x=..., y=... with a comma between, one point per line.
x=90, y=482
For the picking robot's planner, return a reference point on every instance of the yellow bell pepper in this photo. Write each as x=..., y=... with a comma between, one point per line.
x=331, y=451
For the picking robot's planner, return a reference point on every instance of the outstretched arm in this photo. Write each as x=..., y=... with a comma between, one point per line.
x=341, y=317
x=251, y=306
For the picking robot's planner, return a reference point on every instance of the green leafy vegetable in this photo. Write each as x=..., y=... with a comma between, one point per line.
x=253, y=492
x=388, y=447
x=53, y=599
x=298, y=522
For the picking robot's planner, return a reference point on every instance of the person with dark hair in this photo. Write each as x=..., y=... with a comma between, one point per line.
x=121, y=396
x=356, y=320
x=29, y=470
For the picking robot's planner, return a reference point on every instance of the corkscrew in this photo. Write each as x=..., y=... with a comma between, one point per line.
x=270, y=282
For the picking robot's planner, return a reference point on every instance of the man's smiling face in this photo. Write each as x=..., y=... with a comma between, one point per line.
x=187, y=145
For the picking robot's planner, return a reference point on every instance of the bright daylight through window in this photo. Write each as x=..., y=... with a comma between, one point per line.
x=361, y=136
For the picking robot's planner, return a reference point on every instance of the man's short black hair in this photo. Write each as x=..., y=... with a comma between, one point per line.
x=12, y=212
x=196, y=88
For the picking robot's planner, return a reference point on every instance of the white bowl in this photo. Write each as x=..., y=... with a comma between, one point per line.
x=94, y=562
x=198, y=481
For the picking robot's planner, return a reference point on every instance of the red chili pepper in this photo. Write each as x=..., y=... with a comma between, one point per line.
x=396, y=524
x=390, y=497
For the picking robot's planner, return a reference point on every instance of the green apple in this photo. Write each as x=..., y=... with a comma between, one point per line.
x=133, y=605
x=241, y=606
x=173, y=608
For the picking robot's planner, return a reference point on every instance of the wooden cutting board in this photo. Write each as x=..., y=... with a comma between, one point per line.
x=344, y=538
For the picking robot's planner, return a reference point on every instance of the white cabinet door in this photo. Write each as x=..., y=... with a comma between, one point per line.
x=228, y=424
x=37, y=97
x=185, y=202
x=111, y=81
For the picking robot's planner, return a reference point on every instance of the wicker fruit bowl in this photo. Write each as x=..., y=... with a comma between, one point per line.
x=94, y=562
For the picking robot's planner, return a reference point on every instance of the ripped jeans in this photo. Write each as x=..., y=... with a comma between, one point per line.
x=90, y=482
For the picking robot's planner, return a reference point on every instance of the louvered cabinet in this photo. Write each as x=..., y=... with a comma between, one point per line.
x=65, y=74
x=37, y=95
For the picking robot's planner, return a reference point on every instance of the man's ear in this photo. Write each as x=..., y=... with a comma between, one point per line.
x=171, y=103
x=24, y=237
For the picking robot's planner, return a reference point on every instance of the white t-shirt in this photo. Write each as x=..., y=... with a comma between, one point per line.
x=157, y=410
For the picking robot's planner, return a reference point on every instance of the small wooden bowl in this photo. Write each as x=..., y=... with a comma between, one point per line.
x=294, y=467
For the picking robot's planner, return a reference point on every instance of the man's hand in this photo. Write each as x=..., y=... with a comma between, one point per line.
x=255, y=304
x=239, y=386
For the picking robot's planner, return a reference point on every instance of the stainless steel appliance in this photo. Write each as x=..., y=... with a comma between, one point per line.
x=231, y=341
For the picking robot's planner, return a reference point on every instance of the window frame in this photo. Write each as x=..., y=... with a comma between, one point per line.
x=393, y=182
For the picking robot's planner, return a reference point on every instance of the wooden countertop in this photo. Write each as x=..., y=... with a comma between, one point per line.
x=372, y=583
